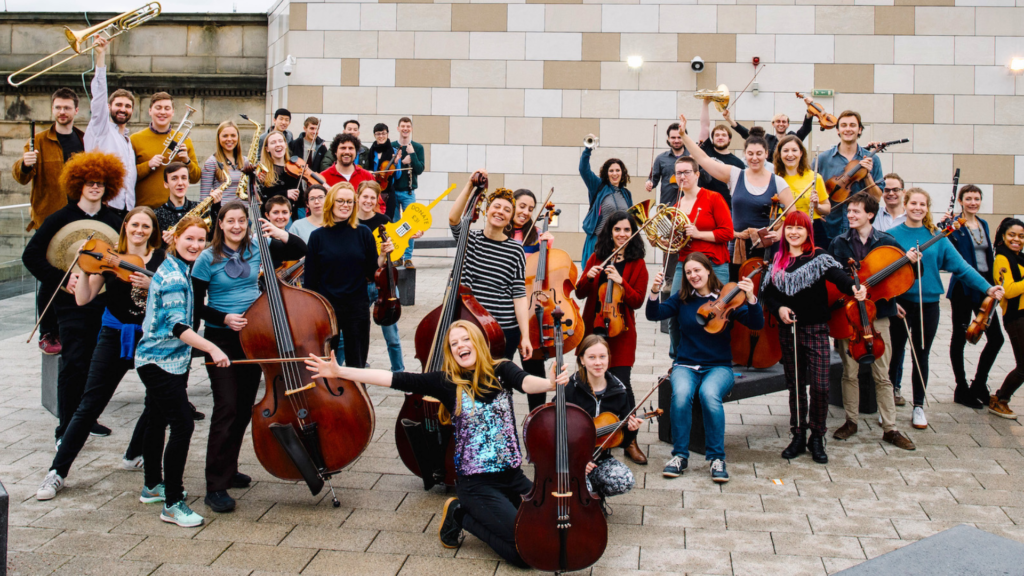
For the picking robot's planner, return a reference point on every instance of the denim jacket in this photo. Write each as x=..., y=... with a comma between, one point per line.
x=170, y=303
x=831, y=163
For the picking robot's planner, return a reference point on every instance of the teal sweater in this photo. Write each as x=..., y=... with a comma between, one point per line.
x=939, y=256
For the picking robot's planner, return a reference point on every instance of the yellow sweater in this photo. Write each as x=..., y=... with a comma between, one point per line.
x=149, y=188
x=1012, y=303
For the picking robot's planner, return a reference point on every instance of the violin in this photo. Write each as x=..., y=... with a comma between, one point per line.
x=839, y=186
x=290, y=271
x=825, y=120
x=424, y=444
x=983, y=317
x=756, y=348
x=866, y=343
x=297, y=168
x=99, y=257
x=560, y=526
x=386, y=309
x=886, y=272
x=610, y=314
x=715, y=316
x=386, y=170
x=550, y=280
x=610, y=429
x=302, y=429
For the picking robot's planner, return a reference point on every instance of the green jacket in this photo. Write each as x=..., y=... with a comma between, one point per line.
x=402, y=179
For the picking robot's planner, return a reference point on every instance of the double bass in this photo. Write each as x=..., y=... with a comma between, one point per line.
x=424, y=443
x=756, y=348
x=560, y=526
x=551, y=278
x=302, y=429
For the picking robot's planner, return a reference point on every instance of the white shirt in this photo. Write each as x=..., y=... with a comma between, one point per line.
x=883, y=221
x=102, y=135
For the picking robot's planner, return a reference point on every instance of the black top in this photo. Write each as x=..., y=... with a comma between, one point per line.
x=285, y=182
x=375, y=221
x=339, y=263
x=714, y=184
x=119, y=293
x=772, y=139
x=613, y=398
x=802, y=287
x=34, y=256
x=437, y=385
x=168, y=215
x=70, y=144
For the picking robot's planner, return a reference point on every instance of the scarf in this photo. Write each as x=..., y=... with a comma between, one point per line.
x=235, y=267
x=791, y=283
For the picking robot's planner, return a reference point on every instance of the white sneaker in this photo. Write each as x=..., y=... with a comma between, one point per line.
x=52, y=484
x=879, y=419
x=919, y=421
x=135, y=464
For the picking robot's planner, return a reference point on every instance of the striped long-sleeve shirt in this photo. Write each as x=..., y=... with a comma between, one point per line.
x=212, y=178
x=496, y=273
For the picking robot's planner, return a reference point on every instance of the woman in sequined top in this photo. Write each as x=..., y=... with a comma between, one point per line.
x=475, y=392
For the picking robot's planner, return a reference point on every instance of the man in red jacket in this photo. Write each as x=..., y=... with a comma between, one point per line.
x=345, y=147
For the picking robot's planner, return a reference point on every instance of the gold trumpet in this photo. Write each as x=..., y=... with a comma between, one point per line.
x=176, y=140
x=84, y=41
x=668, y=230
x=720, y=97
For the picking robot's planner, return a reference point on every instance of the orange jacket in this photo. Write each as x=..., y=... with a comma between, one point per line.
x=46, y=197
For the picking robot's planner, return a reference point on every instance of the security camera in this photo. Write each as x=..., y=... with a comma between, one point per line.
x=697, y=64
x=289, y=65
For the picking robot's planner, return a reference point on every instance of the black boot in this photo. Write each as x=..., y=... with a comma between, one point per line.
x=817, y=447
x=980, y=391
x=966, y=396
x=797, y=447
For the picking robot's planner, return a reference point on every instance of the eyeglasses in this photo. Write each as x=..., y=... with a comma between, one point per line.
x=344, y=202
x=95, y=185
x=316, y=199
x=685, y=173
x=893, y=190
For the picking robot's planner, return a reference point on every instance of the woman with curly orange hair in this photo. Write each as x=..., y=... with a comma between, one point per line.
x=90, y=179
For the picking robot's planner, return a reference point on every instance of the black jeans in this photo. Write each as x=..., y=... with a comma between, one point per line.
x=490, y=502
x=354, y=325
x=48, y=325
x=1015, y=331
x=963, y=309
x=623, y=373
x=105, y=373
x=167, y=405
x=79, y=328
x=234, y=392
x=898, y=336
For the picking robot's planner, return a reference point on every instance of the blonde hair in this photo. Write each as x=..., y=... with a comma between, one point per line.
x=353, y=219
x=267, y=160
x=927, y=215
x=236, y=154
x=483, y=377
x=371, y=184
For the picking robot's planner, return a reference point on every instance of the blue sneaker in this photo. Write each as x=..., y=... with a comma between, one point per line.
x=674, y=468
x=179, y=513
x=718, y=473
x=152, y=496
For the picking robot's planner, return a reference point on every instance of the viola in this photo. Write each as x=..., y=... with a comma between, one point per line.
x=839, y=186
x=386, y=309
x=609, y=428
x=715, y=316
x=886, y=272
x=610, y=314
x=550, y=280
x=302, y=429
x=560, y=526
x=99, y=257
x=418, y=422
x=866, y=343
x=290, y=271
x=756, y=348
x=297, y=168
x=825, y=120
x=983, y=317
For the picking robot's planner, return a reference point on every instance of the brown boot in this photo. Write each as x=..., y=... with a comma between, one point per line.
x=898, y=399
x=849, y=428
x=635, y=454
x=898, y=440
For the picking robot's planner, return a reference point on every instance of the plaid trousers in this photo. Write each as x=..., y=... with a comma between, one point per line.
x=814, y=349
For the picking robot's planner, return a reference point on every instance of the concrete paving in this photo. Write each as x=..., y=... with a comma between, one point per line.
x=773, y=517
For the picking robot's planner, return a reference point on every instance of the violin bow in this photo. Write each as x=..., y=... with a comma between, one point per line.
x=269, y=360
x=668, y=255
x=654, y=147
x=622, y=422
x=738, y=96
x=533, y=219
x=59, y=286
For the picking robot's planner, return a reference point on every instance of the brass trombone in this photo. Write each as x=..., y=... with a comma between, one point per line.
x=83, y=41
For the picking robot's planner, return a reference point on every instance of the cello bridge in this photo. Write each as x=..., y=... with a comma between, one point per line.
x=562, y=494
x=297, y=390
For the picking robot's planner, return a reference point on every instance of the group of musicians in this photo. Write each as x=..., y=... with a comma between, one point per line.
x=103, y=326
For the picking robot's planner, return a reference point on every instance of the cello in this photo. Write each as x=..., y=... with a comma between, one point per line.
x=386, y=309
x=560, y=526
x=866, y=344
x=424, y=444
x=756, y=348
x=550, y=280
x=302, y=429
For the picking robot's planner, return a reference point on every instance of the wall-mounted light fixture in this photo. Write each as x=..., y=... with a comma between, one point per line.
x=635, y=62
x=1017, y=65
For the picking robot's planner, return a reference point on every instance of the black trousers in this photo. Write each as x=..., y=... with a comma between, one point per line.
x=167, y=404
x=48, y=325
x=1015, y=331
x=79, y=328
x=623, y=373
x=234, y=392
x=490, y=502
x=963, y=310
x=898, y=336
x=354, y=325
x=105, y=373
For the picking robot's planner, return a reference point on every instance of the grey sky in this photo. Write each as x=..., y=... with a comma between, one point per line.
x=125, y=5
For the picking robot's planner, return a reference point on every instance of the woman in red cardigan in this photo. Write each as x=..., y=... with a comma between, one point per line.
x=628, y=270
x=710, y=229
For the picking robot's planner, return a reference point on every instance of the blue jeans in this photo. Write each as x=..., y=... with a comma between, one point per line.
x=403, y=199
x=721, y=270
x=712, y=383
x=390, y=336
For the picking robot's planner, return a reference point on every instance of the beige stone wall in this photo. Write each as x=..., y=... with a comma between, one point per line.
x=514, y=87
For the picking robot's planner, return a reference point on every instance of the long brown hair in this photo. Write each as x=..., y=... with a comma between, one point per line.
x=236, y=155
x=217, y=244
x=581, y=350
x=155, y=237
x=270, y=180
x=927, y=221
x=687, y=290
x=483, y=377
x=802, y=166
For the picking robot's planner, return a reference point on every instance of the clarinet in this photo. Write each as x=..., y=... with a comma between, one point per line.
x=952, y=201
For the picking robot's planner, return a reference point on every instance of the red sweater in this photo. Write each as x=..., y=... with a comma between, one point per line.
x=714, y=217
x=634, y=290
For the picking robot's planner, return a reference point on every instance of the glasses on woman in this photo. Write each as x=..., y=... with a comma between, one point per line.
x=316, y=199
x=344, y=202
